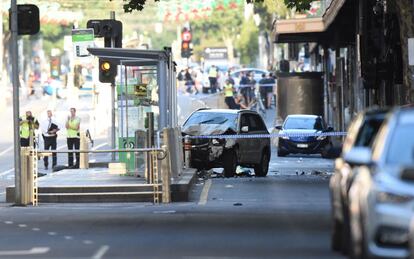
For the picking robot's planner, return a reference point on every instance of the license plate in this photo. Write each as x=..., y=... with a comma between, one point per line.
x=302, y=145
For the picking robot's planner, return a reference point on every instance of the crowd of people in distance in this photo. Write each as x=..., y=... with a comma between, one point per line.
x=242, y=95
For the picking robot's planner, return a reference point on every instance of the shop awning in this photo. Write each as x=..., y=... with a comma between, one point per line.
x=307, y=29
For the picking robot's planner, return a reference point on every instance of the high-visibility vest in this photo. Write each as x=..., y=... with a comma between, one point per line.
x=212, y=72
x=228, y=90
x=72, y=132
x=26, y=128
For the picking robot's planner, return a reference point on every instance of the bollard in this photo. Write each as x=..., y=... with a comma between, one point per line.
x=84, y=157
x=166, y=176
x=149, y=172
x=26, y=183
x=187, y=151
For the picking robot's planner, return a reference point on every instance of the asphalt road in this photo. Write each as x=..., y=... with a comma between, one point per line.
x=283, y=215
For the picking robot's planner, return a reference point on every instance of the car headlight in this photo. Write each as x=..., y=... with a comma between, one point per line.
x=321, y=138
x=388, y=197
x=216, y=142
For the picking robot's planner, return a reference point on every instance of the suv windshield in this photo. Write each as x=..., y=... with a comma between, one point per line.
x=227, y=120
x=303, y=123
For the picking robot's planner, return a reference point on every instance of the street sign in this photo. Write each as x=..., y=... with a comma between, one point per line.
x=82, y=39
x=186, y=36
x=215, y=53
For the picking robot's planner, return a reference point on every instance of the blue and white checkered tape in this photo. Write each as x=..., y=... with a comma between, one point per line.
x=272, y=135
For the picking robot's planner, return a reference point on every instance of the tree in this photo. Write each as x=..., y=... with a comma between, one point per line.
x=300, y=5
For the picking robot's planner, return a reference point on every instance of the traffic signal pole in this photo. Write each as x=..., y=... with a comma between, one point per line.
x=15, y=82
x=113, y=135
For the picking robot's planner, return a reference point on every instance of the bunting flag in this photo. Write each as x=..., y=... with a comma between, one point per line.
x=185, y=10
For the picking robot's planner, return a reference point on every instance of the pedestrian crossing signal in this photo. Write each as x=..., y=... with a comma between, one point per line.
x=107, y=71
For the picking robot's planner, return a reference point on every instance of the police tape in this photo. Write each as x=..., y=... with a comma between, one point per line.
x=272, y=135
x=253, y=85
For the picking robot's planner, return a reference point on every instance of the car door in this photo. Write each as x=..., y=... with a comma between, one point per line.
x=258, y=128
x=244, y=143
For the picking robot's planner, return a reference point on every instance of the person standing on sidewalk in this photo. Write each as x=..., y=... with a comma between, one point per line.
x=73, y=137
x=212, y=77
x=28, y=125
x=49, y=129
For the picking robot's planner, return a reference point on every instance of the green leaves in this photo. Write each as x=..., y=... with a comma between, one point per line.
x=300, y=5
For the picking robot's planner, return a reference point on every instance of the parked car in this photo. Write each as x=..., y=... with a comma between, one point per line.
x=301, y=125
x=381, y=198
x=228, y=153
x=361, y=133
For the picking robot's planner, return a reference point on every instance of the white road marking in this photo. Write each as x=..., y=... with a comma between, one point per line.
x=165, y=212
x=51, y=233
x=68, y=237
x=101, y=252
x=204, y=193
x=1, y=193
x=7, y=172
x=6, y=151
x=8, y=222
x=33, y=251
x=87, y=242
x=100, y=145
x=36, y=229
x=22, y=225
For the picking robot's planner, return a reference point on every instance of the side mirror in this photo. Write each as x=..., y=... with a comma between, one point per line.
x=245, y=129
x=279, y=127
x=359, y=156
x=329, y=129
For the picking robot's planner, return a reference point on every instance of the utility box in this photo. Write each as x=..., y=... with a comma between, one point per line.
x=299, y=93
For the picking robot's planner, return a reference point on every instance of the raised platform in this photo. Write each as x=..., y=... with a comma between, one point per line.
x=98, y=185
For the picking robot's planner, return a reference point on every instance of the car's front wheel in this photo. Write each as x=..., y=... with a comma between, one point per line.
x=261, y=169
x=281, y=153
x=230, y=162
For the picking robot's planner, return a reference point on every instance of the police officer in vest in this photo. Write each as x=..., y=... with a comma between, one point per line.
x=28, y=125
x=73, y=137
x=228, y=94
x=212, y=77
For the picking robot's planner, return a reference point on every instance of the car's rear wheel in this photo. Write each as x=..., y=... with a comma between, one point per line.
x=261, y=169
x=326, y=152
x=230, y=163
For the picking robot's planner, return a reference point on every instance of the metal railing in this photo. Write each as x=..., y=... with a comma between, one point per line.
x=30, y=157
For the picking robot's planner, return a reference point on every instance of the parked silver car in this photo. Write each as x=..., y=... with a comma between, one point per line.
x=361, y=133
x=381, y=198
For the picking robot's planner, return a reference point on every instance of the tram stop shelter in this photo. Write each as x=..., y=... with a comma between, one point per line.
x=145, y=83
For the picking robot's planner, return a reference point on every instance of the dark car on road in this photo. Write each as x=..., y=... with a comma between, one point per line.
x=241, y=149
x=297, y=135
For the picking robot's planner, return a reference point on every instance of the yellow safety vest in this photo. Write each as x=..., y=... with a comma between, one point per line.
x=72, y=132
x=212, y=72
x=25, y=128
x=228, y=90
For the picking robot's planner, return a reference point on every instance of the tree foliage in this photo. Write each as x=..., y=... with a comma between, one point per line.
x=299, y=5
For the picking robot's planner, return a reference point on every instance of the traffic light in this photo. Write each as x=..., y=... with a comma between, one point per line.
x=108, y=29
x=107, y=71
x=186, y=50
x=28, y=22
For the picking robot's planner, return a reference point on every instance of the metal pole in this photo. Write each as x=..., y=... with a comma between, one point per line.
x=113, y=135
x=15, y=82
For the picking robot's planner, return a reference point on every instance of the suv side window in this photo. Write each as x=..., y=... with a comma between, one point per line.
x=244, y=121
x=256, y=123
